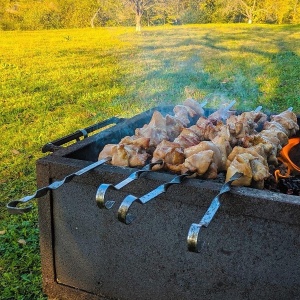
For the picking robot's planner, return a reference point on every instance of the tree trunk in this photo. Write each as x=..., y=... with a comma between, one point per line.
x=138, y=20
x=294, y=15
x=94, y=17
x=148, y=19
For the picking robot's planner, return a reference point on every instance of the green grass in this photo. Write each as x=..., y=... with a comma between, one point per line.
x=55, y=82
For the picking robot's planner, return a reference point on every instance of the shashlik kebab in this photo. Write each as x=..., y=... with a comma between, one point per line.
x=262, y=151
x=223, y=152
x=203, y=148
x=209, y=146
x=134, y=151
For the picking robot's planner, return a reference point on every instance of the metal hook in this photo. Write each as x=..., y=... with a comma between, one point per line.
x=123, y=211
x=13, y=208
x=104, y=187
x=192, y=238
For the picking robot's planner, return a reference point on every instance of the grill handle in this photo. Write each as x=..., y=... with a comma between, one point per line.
x=126, y=217
x=15, y=207
x=55, y=145
x=104, y=187
x=192, y=238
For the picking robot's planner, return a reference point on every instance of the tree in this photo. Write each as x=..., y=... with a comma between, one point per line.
x=295, y=15
x=108, y=12
x=279, y=11
x=139, y=7
x=248, y=9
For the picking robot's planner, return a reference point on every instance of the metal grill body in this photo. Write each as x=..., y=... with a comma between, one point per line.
x=251, y=249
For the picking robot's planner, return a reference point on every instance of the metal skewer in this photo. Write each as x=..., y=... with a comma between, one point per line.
x=192, y=238
x=104, y=187
x=258, y=108
x=202, y=104
x=123, y=211
x=13, y=208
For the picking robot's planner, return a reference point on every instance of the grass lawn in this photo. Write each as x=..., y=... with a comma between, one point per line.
x=55, y=82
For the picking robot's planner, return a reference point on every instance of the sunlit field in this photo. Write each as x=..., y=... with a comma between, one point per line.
x=55, y=82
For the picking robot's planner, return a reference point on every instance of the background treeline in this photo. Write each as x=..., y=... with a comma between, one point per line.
x=48, y=14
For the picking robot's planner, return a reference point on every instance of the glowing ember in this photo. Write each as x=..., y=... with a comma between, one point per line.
x=286, y=160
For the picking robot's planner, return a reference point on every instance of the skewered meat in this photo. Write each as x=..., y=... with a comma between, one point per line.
x=288, y=120
x=203, y=146
x=194, y=105
x=275, y=134
x=255, y=171
x=141, y=142
x=168, y=128
x=169, y=152
x=192, y=140
x=259, y=150
x=264, y=150
x=147, y=138
x=189, y=137
x=205, y=129
x=208, y=128
x=128, y=155
x=245, y=124
x=223, y=112
x=156, y=130
x=188, y=160
x=200, y=162
x=252, y=168
x=216, y=160
x=209, y=146
x=125, y=155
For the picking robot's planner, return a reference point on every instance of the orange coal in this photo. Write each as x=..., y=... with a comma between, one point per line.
x=286, y=160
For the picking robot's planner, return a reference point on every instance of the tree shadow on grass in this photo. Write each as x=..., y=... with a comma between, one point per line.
x=252, y=65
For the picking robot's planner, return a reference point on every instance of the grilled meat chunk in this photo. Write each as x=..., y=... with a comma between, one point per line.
x=169, y=152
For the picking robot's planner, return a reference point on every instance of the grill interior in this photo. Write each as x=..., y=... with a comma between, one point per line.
x=89, y=151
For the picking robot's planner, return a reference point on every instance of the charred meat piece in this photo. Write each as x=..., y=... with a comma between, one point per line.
x=189, y=137
x=173, y=126
x=156, y=130
x=128, y=156
x=125, y=155
x=200, y=162
x=245, y=124
x=288, y=120
x=254, y=169
x=194, y=105
x=169, y=152
x=141, y=142
x=184, y=114
x=203, y=146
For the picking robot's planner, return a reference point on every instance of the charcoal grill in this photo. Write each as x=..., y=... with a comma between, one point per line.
x=251, y=249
